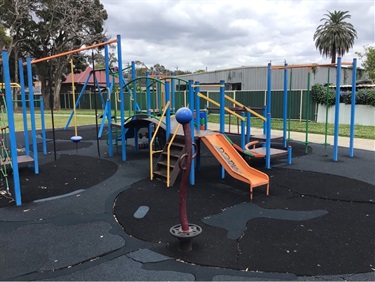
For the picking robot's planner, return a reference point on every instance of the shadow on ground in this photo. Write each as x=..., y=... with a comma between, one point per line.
x=67, y=174
x=311, y=224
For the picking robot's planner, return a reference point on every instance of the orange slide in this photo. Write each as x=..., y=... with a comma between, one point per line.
x=234, y=164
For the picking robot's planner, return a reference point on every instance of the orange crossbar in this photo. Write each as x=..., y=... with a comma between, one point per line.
x=73, y=51
x=308, y=66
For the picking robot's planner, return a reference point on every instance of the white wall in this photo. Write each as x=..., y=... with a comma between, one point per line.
x=364, y=114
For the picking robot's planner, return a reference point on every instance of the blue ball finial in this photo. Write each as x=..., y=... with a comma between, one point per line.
x=184, y=115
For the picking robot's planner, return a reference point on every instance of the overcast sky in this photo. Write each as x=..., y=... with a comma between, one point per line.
x=215, y=34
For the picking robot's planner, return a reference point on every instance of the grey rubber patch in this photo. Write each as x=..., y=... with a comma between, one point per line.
x=59, y=196
x=141, y=212
x=234, y=219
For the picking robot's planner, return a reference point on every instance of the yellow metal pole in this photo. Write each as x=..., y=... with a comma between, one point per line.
x=74, y=98
x=217, y=104
x=153, y=137
x=246, y=108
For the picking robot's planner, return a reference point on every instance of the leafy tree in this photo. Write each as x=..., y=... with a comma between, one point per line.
x=368, y=61
x=51, y=27
x=335, y=35
x=5, y=40
x=14, y=15
x=180, y=72
x=200, y=71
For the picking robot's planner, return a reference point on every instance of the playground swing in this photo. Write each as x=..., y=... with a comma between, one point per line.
x=76, y=138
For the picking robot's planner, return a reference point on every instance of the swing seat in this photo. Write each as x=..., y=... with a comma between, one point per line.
x=76, y=139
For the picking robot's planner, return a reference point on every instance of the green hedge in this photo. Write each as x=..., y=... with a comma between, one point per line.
x=322, y=95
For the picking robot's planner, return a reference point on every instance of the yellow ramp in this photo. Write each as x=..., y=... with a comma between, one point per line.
x=233, y=162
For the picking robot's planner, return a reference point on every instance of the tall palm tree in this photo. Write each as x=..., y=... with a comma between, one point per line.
x=335, y=35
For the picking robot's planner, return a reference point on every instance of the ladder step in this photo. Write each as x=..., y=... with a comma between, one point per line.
x=173, y=154
x=164, y=163
x=160, y=173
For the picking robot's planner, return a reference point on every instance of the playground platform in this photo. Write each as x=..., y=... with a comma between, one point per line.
x=91, y=217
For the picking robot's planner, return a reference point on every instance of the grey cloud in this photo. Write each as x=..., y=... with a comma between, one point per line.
x=227, y=33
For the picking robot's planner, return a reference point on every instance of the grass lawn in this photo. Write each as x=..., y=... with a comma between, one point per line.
x=86, y=117
x=360, y=131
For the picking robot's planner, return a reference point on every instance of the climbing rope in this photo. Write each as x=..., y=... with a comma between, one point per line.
x=5, y=160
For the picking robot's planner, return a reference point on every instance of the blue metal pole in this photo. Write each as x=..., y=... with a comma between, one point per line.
x=222, y=116
x=173, y=94
x=43, y=125
x=148, y=91
x=285, y=104
x=191, y=107
x=248, y=127
x=78, y=100
x=108, y=102
x=264, y=123
x=243, y=132
x=12, y=130
x=197, y=104
x=24, y=108
x=205, y=117
x=134, y=84
x=222, y=105
x=122, y=99
x=289, y=154
x=268, y=125
x=168, y=112
x=352, y=114
x=337, y=111
x=191, y=98
x=32, y=114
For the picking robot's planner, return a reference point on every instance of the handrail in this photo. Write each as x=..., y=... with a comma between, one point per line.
x=246, y=108
x=217, y=104
x=12, y=84
x=153, y=137
x=169, y=153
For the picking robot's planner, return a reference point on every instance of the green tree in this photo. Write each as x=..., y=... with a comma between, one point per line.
x=50, y=27
x=335, y=35
x=5, y=40
x=368, y=61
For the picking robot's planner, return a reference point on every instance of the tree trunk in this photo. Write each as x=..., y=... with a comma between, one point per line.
x=333, y=55
x=45, y=92
x=56, y=95
x=57, y=83
x=54, y=91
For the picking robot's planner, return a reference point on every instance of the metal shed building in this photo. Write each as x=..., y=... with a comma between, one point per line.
x=255, y=78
